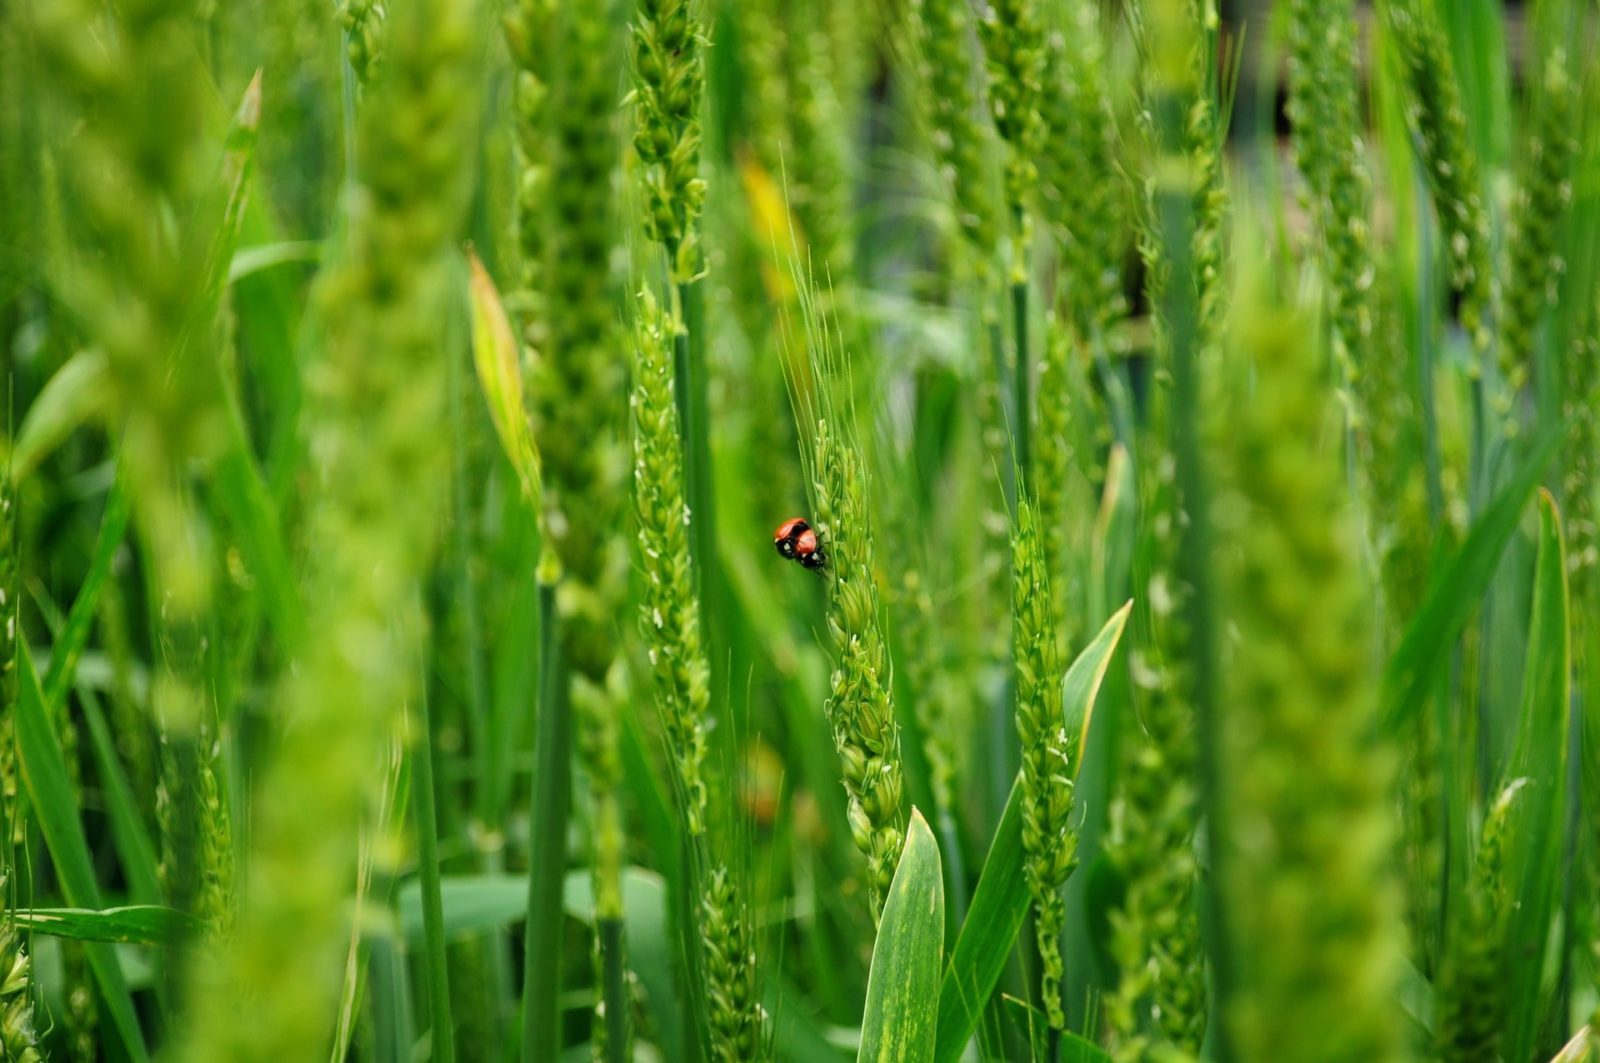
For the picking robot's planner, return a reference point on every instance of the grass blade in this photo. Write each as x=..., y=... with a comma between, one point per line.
x=547, y=847
x=74, y=635
x=1000, y=904
x=495, y=355
x=76, y=393
x=45, y=775
x=427, y=822
x=902, y=1013
x=246, y=502
x=138, y=924
x=1540, y=756
x=248, y=261
x=1457, y=590
x=238, y=161
x=128, y=830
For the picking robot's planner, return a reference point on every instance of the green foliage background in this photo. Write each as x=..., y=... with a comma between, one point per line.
x=399, y=394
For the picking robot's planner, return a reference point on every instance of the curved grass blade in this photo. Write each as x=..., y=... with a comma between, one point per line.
x=1457, y=589
x=74, y=635
x=902, y=1012
x=45, y=775
x=229, y=199
x=137, y=924
x=248, y=261
x=246, y=502
x=494, y=354
x=73, y=395
x=1000, y=904
x=241, y=488
x=1540, y=756
x=128, y=831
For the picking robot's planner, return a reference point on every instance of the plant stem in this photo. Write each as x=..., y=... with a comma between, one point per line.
x=1023, y=424
x=689, y=384
x=1176, y=232
x=390, y=997
x=997, y=355
x=685, y=906
x=1425, y=355
x=438, y=971
x=547, y=844
x=614, y=990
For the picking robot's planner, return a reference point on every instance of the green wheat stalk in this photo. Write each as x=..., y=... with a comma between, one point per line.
x=1161, y=1001
x=669, y=612
x=570, y=63
x=860, y=706
x=1471, y=992
x=1084, y=200
x=737, y=1021
x=668, y=79
x=10, y=571
x=818, y=171
x=374, y=414
x=1581, y=398
x=945, y=72
x=668, y=75
x=1543, y=195
x=1438, y=124
x=133, y=285
x=18, y=1039
x=1048, y=753
x=1204, y=132
x=1324, y=98
x=1178, y=73
x=363, y=24
x=1013, y=36
x=1312, y=909
x=1161, y=993
x=528, y=25
x=1085, y=191
x=670, y=622
x=951, y=77
x=1323, y=107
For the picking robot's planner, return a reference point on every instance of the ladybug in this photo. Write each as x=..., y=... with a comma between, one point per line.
x=797, y=541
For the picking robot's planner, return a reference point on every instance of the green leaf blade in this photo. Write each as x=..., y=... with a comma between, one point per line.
x=1459, y=587
x=902, y=1012
x=1540, y=756
x=1000, y=904
x=136, y=924
x=44, y=773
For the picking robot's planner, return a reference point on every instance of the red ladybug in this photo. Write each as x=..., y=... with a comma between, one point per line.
x=796, y=541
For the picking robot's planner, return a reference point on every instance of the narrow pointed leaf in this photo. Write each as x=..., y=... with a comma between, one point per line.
x=1000, y=904
x=1540, y=756
x=494, y=353
x=44, y=773
x=138, y=924
x=1458, y=588
x=902, y=1013
x=238, y=161
x=74, y=634
x=74, y=394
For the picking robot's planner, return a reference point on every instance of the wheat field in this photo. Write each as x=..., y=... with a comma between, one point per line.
x=1180, y=639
